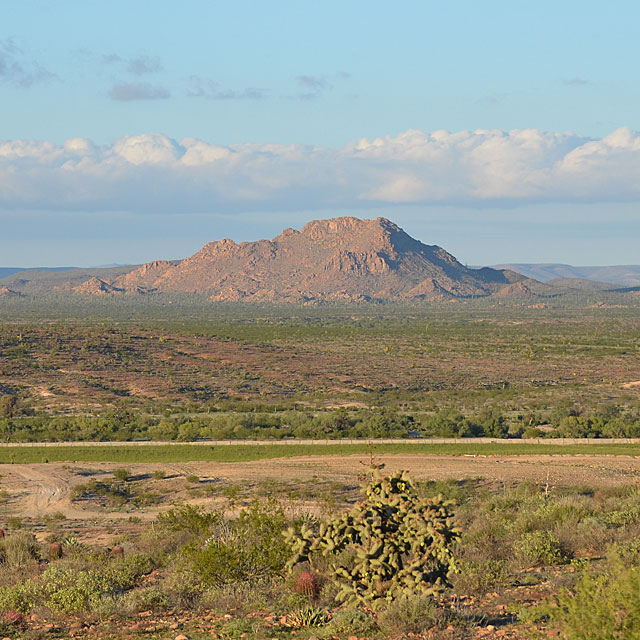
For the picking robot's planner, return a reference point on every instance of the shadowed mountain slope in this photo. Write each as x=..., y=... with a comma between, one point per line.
x=621, y=275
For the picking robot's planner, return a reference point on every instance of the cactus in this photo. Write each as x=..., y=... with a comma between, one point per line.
x=306, y=584
x=400, y=543
x=117, y=551
x=71, y=544
x=310, y=617
x=13, y=618
x=55, y=551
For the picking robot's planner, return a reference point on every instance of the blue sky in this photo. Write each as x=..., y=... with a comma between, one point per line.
x=156, y=127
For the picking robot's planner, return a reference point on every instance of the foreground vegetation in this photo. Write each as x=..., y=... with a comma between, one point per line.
x=529, y=559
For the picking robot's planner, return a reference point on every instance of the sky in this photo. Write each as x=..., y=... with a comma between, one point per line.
x=502, y=131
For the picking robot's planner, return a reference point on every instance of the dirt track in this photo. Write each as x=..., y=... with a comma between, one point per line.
x=39, y=489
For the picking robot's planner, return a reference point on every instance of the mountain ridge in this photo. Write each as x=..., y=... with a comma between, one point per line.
x=338, y=259
x=345, y=259
x=621, y=275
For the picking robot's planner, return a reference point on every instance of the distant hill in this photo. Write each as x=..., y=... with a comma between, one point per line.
x=581, y=284
x=622, y=275
x=8, y=271
x=37, y=281
x=341, y=259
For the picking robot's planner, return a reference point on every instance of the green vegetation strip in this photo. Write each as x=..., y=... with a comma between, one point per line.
x=247, y=453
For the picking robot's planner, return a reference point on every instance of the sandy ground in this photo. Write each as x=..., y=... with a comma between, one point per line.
x=39, y=489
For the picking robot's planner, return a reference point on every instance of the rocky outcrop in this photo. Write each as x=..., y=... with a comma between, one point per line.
x=341, y=259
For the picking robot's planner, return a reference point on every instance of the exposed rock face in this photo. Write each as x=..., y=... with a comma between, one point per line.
x=96, y=287
x=5, y=292
x=342, y=259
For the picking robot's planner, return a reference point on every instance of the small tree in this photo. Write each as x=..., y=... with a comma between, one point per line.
x=390, y=544
x=8, y=406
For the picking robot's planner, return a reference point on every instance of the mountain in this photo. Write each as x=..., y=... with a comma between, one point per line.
x=621, y=275
x=341, y=259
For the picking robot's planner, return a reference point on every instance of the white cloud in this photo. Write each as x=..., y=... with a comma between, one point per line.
x=152, y=173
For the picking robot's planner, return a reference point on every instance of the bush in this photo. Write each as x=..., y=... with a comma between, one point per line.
x=538, y=549
x=352, y=622
x=480, y=576
x=19, y=549
x=70, y=591
x=602, y=606
x=149, y=598
x=247, y=548
x=189, y=519
x=121, y=474
x=412, y=614
x=123, y=572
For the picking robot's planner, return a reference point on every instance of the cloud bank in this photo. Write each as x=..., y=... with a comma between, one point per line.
x=152, y=173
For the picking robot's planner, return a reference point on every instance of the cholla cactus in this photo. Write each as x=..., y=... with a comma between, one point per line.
x=400, y=543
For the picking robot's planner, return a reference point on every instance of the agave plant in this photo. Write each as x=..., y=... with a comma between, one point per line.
x=71, y=544
x=308, y=617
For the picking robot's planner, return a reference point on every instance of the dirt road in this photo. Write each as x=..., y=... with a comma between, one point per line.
x=40, y=489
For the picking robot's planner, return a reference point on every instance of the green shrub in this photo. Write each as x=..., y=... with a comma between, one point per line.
x=623, y=517
x=150, y=598
x=412, y=614
x=239, y=628
x=603, y=606
x=123, y=572
x=246, y=548
x=68, y=590
x=480, y=576
x=121, y=474
x=353, y=622
x=19, y=549
x=184, y=589
x=538, y=548
x=189, y=519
